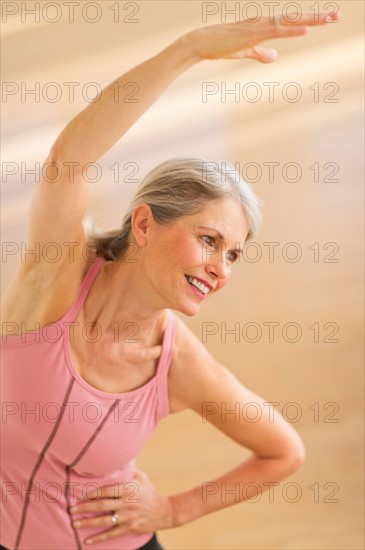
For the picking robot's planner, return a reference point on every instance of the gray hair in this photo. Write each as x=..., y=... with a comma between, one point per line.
x=179, y=187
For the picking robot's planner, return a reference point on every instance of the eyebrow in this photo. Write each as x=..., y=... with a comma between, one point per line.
x=220, y=236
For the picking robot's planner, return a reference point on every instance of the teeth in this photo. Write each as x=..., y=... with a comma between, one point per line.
x=204, y=289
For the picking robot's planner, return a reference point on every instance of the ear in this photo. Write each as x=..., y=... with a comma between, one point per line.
x=141, y=222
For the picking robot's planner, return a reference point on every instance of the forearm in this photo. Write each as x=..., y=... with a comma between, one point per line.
x=102, y=123
x=245, y=481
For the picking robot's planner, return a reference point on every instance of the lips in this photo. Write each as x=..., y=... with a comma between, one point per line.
x=198, y=293
x=208, y=285
x=197, y=285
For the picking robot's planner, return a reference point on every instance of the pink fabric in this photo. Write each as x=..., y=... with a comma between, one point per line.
x=62, y=438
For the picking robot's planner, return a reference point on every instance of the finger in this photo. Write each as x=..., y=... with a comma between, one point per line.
x=282, y=27
x=263, y=55
x=280, y=31
x=109, y=534
x=272, y=30
x=99, y=505
x=116, y=491
x=105, y=505
x=309, y=19
x=104, y=520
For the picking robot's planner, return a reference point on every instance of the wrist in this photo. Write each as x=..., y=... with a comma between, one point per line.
x=187, y=47
x=185, y=507
x=177, y=518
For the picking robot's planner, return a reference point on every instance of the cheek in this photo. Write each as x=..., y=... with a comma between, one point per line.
x=189, y=252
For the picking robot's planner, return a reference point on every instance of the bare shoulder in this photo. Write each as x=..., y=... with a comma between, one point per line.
x=192, y=371
x=35, y=299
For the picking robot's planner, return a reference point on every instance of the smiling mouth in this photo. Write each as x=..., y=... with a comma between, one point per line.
x=200, y=287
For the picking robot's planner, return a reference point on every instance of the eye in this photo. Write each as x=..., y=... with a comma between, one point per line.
x=210, y=241
x=232, y=256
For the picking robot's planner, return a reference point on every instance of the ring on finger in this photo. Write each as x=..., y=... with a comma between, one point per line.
x=277, y=19
x=114, y=518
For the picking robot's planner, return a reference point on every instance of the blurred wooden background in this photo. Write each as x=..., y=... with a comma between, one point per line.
x=314, y=199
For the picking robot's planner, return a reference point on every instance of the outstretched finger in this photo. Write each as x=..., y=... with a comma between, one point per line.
x=283, y=27
x=307, y=19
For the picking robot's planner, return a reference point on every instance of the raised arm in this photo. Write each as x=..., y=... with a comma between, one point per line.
x=92, y=132
x=103, y=122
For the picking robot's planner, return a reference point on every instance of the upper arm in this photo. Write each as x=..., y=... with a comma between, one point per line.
x=52, y=258
x=54, y=230
x=212, y=391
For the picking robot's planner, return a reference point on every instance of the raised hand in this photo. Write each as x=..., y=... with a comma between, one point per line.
x=240, y=40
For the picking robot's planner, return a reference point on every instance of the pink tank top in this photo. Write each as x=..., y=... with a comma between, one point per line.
x=62, y=438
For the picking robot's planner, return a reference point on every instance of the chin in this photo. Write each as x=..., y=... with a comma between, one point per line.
x=190, y=314
x=190, y=310
x=186, y=304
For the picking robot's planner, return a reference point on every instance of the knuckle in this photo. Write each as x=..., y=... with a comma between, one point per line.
x=135, y=525
x=110, y=489
x=131, y=518
x=101, y=505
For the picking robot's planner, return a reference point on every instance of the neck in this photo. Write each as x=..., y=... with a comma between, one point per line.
x=121, y=303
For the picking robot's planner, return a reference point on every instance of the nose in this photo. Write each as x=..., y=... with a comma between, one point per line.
x=218, y=268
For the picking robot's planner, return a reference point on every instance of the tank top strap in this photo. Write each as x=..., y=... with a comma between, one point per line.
x=168, y=345
x=87, y=281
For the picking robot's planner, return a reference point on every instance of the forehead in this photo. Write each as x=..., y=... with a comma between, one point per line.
x=226, y=216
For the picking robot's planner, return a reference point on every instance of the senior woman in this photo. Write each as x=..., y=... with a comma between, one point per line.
x=79, y=405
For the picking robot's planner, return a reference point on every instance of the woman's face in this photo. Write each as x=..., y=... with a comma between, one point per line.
x=190, y=248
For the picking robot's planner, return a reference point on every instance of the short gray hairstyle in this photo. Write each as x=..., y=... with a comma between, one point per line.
x=179, y=187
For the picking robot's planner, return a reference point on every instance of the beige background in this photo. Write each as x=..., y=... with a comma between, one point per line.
x=320, y=379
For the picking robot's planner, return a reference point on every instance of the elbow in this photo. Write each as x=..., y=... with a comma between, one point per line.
x=55, y=153
x=53, y=158
x=65, y=166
